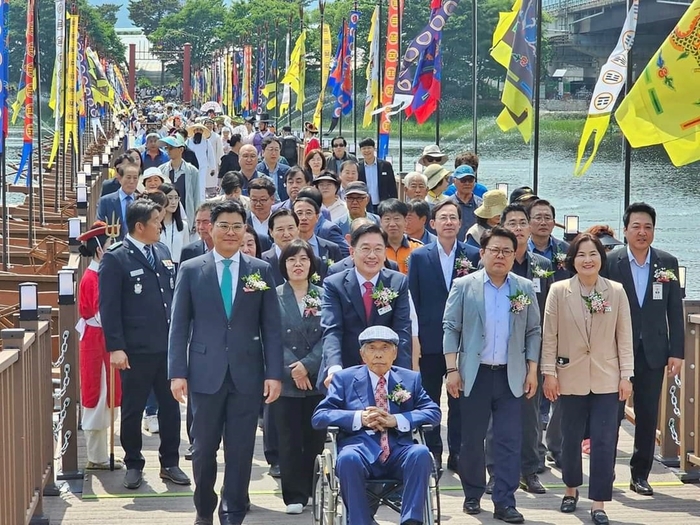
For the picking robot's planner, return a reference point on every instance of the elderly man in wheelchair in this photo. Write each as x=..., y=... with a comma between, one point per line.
x=376, y=408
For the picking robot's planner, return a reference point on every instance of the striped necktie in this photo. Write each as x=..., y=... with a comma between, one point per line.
x=149, y=256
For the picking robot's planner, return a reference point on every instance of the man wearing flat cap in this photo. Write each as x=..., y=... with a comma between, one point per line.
x=377, y=406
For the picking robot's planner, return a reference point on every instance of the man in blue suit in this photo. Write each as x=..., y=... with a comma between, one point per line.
x=363, y=296
x=308, y=212
x=271, y=166
x=325, y=228
x=225, y=351
x=377, y=406
x=112, y=207
x=429, y=288
x=347, y=262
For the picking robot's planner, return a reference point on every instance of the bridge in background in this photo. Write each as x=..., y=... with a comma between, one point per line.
x=583, y=33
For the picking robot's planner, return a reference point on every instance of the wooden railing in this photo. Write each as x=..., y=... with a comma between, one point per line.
x=688, y=394
x=26, y=408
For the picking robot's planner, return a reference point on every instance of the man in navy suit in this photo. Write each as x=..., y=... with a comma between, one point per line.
x=363, y=296
x=308, y=212
x=377, y=406
x=225, y=351
x=429, y=289
x=136, y=281
x=262, y=196
x=284, y=228
x=203, y=226
x=112, y=207
x=325, y=228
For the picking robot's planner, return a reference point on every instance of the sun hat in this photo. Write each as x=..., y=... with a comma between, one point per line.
x=199, y=128
x=495, y=201
x=327, y=175
x=433, y=151
x=435, y=173
x=147, y=174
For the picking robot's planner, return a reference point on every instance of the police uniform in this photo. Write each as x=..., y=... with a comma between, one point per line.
x=135, y=302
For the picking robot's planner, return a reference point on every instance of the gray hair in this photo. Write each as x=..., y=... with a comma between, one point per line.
x=411, y=176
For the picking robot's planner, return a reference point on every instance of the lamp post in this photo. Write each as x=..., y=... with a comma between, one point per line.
x=81, y=198
x=66, y=287
x=28, y=301
x=503, y=186
x=570, y=227
x=73, y=233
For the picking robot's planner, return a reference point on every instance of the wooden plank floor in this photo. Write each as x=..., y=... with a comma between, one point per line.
x=105, y=501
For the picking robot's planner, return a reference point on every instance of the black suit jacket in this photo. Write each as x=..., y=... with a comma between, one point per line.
x=192, y=250
x=135, y=299
x=385, y=174
x=265, y=240
x=110, y=186
x=658, y=323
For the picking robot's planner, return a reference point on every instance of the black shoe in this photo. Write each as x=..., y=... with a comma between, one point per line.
x=489, y=485
x=471, y=506
x=453, y=462
x=599, y=517
x=188, y=454
x=274, y=471
x=508, y=514
x=568, y=503
x=174, y=474
x=532, y=484
x=133, y=479
x=553, y=459
x=199, y=520
x=641, y=487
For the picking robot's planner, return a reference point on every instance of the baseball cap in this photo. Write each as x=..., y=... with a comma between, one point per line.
x=463, y=171
x=174, y=141
x=522, y=194
x=357, y=187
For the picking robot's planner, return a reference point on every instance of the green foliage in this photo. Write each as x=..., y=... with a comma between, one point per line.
x=144, y=82
x=147, y=14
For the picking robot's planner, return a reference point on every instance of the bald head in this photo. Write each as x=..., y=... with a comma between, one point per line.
x=248, y=159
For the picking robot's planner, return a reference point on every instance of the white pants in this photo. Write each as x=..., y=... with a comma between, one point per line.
x=95, y=423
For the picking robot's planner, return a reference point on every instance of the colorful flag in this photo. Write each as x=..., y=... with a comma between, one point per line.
x=429, y=87
x=56, y=97
x=663, y=106
x=514, y=43
x=270, y=90
x=325, y=63
x=340, y=79
x=262, y=77
x=612, y=79
x=372, y=94
x=391, y=62
x=27, y=148
x=246, y=94
x=295, y=77
x=4, y=73
x=286, y=93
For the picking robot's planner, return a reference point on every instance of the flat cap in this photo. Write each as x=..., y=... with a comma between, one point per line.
x=378, y=333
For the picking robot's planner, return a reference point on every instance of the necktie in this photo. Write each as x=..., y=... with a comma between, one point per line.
x=127, y=202
x=149, y=256
x=367, y=299
x=381, y=401
x=227, y=287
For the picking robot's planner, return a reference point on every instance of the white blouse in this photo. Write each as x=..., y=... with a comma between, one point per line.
x=175, y=240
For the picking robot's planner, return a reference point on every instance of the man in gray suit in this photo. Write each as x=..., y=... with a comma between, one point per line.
x=499, y=352
x=225, y=350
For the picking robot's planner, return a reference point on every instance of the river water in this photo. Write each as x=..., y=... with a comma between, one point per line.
x=596, y=198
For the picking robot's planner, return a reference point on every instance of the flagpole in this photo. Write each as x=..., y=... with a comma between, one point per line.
x=400, y=24
x=37, y=75
x=627, y=150
x=289, y=32
x=277, y=76
x=536, y=102
x=64, y=147
x=475, y=73
x=342, y=55
x=321, y=8
x=301, y=88
x=380, y=67
x=354, y=85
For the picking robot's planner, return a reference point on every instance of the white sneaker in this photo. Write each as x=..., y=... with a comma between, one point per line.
x=295, y=508
x=151, y=424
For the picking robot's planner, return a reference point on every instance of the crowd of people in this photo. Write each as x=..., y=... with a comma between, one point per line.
x=298, y=291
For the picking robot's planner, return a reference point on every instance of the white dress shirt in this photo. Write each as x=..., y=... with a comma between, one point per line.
x=447, y=262
x=234, y=268
x=259, y=226
x=402, y=423
x=140, y=246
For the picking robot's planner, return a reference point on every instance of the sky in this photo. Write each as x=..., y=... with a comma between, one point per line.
x=123, y=20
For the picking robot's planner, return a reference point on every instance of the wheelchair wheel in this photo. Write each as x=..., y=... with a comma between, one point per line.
x=431, y=516
x=317, y=494
x=325, y=497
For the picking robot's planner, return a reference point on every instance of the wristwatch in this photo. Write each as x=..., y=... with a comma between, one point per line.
x=629, y=378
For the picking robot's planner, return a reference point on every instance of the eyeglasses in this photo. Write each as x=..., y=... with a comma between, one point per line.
x=513, y=225
x=236, y=227
x=542, y=218
x=497, y=252
x=338, y=145
x=366, y=251
x=354, y=198
x=259, y=202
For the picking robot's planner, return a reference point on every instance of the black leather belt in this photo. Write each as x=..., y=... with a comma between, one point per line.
x=494, y=367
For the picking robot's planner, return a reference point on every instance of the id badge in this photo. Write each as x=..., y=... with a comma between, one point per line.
x=384, y=310
x=536, y=285
x=657, y=291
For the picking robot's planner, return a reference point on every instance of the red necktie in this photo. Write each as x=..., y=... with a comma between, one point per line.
x=381, y=401
x=367, y=299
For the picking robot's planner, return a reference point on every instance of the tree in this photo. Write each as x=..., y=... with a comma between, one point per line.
x=147, y=14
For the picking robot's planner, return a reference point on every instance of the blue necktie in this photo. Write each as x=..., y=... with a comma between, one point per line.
x=127, y=201
x=149, y=256
x=227, y=287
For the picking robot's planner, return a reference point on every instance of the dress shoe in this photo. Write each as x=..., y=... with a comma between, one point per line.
x=508, y=514
x=274, y=471
x=133, y=479
x=174, y=474
x=199, y=520
x=453, y=462
x=599, y=517
x=471, y=506
x=641, y=487
x=188, y=454
x=568, y=503
x=489, y=485
x=532, y=484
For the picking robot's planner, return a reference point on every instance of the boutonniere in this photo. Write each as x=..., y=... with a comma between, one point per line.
x=463, y=266
x=596, y=303
x=662, y=275
x=254, y=283
x=559, y=260
x=330, y=262
x=311, y=303
x=541, y=272
x=399, y=394
x=383, y=296
x=315, y=278
x=519, y=301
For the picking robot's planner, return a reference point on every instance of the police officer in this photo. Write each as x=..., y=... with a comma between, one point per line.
x=136, y=280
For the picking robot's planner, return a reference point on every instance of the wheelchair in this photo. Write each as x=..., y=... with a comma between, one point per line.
x=328, y=507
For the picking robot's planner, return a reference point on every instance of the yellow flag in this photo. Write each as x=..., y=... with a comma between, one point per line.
x=663, y=107
x=613, y=76
x=513, y=47
x=372, y=93
x=72, y=99
x=295, y=76
x=325, y=69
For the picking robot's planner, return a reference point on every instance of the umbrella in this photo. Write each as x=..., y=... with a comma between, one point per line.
x=207, y=106
x=158, y=99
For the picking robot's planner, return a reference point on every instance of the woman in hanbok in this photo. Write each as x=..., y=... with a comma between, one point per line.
x=94, y=358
